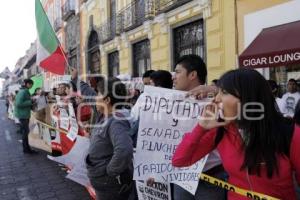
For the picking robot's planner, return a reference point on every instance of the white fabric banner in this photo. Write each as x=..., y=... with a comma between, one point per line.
x=76, y=155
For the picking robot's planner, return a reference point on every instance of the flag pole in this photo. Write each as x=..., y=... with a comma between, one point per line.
x=60, y=47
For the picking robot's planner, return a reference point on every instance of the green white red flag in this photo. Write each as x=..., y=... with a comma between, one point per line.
x=50, y=55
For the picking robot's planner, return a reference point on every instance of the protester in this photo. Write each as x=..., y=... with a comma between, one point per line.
x=23, y=105
x=190, y=72
x=289, y=100
x=88, y=93
x=146, y=77
x=7, y=102
x=259, y=148
x=109, y=160
x=161, y=78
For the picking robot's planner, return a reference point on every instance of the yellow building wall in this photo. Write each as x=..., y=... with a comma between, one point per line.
x=159, y=35
x=86, y=10
x=220, y=37
x=245, y=7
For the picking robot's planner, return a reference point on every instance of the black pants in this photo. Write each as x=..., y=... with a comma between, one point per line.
x=25, y=131
x=108, y=191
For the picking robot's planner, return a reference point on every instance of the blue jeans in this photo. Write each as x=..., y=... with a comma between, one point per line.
x=205, y=191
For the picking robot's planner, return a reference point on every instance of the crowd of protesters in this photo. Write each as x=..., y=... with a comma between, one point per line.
x=258, y=151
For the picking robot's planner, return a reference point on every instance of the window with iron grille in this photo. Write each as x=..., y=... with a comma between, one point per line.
x=189, y=39
x=93, y=54
x=141, y=58
x=113, y=64
x=73, y=58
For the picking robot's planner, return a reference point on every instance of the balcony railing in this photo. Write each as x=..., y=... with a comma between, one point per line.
x=108, y=30
x=68, y=9
x=57, y=24
x=167, y=5
x=134, y=14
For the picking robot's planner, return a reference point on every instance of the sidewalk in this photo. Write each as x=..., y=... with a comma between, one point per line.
x=31, y=177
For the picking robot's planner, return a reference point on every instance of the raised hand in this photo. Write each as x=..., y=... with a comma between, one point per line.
x=210, y=116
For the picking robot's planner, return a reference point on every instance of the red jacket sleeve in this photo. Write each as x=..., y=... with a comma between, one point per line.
x=295, y=152
x=194, y=146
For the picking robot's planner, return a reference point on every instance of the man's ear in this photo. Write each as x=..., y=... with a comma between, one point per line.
x=107, y=100
x=193, y=75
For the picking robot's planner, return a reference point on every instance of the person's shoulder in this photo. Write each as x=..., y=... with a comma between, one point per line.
x=120, y=120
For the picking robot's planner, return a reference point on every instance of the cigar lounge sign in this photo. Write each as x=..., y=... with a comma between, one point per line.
x=271, y=60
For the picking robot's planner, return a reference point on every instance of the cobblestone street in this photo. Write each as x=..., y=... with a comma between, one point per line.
x=31, y=177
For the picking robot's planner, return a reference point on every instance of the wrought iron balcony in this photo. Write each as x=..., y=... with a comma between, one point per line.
x=167, y=5
x=57, y=24
x=134, y=14
x=108, y=30
x=68, y=9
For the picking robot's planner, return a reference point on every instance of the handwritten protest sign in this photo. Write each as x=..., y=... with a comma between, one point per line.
x=64, y=119
x=165, y=116
x=73, y=130
x=158, y=191
x=55, y=136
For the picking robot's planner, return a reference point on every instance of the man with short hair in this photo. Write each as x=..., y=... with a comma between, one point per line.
x=190, y=72
x=23, y=105
x=287, y=103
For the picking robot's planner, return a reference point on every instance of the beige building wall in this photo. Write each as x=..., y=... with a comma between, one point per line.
x=88, y=9
x=219, y=26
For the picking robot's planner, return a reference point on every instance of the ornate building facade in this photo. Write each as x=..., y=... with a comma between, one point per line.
x=132, y=36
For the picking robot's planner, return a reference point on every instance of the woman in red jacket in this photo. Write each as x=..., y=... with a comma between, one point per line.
x=260, y=149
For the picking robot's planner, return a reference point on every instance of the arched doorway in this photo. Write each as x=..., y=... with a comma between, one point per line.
x=93, y=54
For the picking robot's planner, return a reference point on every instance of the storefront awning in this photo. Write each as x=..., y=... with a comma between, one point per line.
x=275, y=46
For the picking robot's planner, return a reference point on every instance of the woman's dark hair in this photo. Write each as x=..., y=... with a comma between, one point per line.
x=162, y=78
x=265, y=138
x=114, y=89
x=297, y=114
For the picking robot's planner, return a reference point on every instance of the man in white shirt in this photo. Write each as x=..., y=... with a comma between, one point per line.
x=190, y=73
x=289, y=100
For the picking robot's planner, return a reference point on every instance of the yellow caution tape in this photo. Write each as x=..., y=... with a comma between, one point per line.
x=49, y=126
x=232, y=188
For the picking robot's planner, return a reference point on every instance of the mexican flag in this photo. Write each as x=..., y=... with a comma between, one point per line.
x=50, y=55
